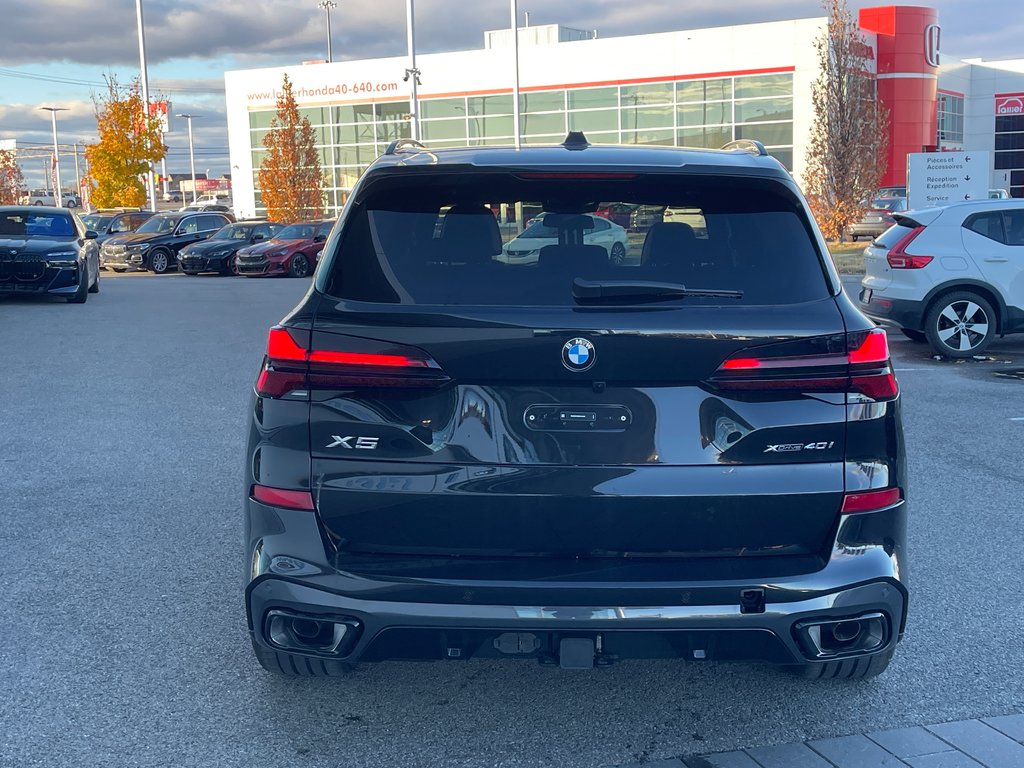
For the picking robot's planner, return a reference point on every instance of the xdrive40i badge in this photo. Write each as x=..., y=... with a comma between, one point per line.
x=578, y=354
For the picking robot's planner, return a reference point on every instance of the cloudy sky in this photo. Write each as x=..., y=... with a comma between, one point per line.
x=57, y=52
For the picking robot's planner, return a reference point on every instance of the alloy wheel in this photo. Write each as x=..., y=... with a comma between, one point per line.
x=159, y=262
x=963, y=325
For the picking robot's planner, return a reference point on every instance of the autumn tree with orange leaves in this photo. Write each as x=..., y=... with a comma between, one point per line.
x=11, y=180
x=130, y=143
x=290, y=180
x=846, y=151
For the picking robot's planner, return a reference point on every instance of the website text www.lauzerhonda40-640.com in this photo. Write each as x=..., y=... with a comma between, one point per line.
x=340, y=89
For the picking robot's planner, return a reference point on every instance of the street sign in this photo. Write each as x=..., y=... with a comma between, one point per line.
x=941, y=178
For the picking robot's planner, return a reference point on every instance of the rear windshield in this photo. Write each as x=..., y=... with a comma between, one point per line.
x=891, y=236
x=478, y=238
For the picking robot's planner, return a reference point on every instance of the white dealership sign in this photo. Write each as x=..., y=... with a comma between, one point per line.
x=941, y=178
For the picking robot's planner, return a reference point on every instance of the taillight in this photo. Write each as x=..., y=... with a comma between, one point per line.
x=870, y=501
x=282, y=497
x=899, y=259
x=289, y=366
x=863, y=367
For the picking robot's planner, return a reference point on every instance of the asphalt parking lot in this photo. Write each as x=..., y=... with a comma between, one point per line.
x=124, y=640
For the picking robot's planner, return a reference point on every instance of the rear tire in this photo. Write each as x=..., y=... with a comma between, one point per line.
x=863, y=668
x=293, y=665
x=958, y=320
x=618, y=255
x=917, y=336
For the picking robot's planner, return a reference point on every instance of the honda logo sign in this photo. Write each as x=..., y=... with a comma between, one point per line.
x=1009, y=104
x=932, y=34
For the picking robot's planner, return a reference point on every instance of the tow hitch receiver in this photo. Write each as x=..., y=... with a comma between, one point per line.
x=576, y=653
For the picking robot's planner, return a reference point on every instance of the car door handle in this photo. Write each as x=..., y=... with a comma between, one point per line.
x=998, y=261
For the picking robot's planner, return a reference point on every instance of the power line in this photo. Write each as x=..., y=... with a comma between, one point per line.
x=95, y=83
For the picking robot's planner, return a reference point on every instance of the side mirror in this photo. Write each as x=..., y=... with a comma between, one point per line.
x=319, y=238
x=90, y=234
x=257, y=238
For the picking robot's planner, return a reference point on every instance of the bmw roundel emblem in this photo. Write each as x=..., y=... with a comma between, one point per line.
x=578, y=354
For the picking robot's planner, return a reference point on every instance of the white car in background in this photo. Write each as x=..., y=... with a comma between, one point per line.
x=951, y=276
x=45, y=197
x=525, y=248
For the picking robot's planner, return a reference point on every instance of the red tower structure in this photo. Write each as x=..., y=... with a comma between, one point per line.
x=908, y=67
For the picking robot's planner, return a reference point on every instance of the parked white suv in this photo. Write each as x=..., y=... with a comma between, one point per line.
x=952, y=276
x=45, y=197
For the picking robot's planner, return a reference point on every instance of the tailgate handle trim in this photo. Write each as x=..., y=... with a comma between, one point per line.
x=580, y=418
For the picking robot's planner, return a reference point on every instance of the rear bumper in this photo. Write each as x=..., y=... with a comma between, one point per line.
x=873, y=229
x=899, y=312
x=407, y=611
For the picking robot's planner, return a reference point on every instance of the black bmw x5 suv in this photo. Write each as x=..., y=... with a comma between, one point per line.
x=696, y=452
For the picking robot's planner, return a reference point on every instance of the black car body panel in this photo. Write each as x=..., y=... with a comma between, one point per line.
x=107, y=224
x=480, y=452
x=172, y=232
x=218, y=253
x=36, y=262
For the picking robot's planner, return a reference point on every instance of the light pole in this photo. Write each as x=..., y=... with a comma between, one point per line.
x=412, y=74
x=327, y=5
x=191, y=152
x=150, y=185
x=514, y=13
x=58, y=198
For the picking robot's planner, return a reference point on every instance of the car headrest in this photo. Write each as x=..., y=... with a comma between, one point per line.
x=471, y=233
x=668, y=243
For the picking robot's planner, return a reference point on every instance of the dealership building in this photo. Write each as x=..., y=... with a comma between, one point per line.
x=694, y=88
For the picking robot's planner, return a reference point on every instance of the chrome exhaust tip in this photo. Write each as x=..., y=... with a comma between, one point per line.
x=317, y=635
x=830, y=638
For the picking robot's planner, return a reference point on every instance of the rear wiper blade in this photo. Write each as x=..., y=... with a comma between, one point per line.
x=623, y=291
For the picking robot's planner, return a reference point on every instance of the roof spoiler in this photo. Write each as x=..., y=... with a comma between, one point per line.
x=755, y=148
x=400, y=145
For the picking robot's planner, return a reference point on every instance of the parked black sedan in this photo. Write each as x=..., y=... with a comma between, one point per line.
x=218, y=253
x=47, y=251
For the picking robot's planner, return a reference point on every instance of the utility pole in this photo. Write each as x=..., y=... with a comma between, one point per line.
x=78, y=175
x=515, y=68
x=191, y=153
x=150, y=186
x=514, y=15
x=412, y=74
x=58, y=198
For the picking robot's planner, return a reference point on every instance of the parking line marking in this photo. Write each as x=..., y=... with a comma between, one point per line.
x=1017, y=418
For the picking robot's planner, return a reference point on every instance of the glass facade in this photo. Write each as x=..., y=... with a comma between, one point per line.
x=703, y=113
x=951, y=119
x=1010, y=151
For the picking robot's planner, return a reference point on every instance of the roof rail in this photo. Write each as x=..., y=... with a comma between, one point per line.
x=747, y=145
x=576, y=140
x=398, y=145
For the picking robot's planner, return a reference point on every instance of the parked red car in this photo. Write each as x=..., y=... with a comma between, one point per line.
x=293, y=251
